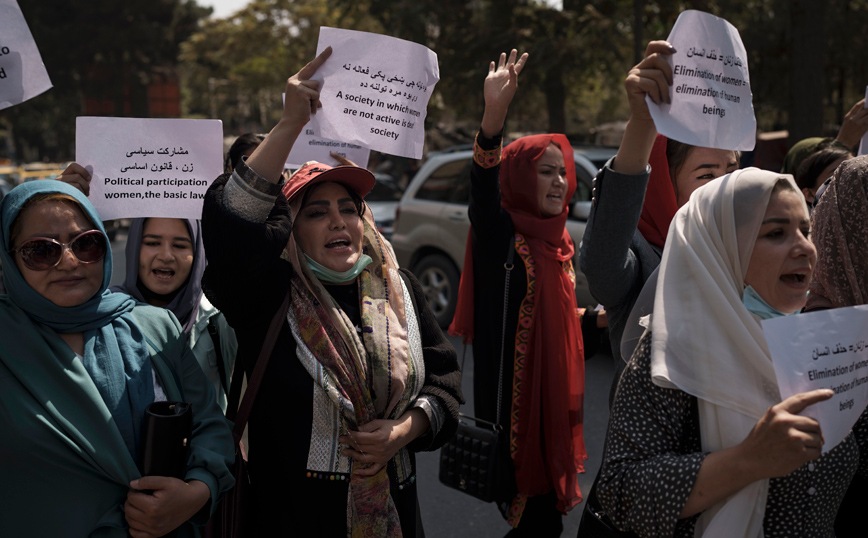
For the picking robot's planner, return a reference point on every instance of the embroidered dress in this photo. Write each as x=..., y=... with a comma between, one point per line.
x=544, y=369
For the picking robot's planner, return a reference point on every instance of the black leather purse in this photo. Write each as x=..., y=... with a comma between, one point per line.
x=166, y=432
x=472, y=461
x=595, y=523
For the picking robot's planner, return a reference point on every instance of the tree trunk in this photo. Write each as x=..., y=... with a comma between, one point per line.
x=638, y=27
x=556, y=99
x=807, y=69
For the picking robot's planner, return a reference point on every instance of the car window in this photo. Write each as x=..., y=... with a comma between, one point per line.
x=439, y=185
x=383, y=192
x=461, y=192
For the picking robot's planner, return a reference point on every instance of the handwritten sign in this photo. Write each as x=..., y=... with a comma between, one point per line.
x=824, y=350
x=22, y=73
x=149, y=167
x=863, y=144
x=310, y=147
x=712, y=105
x=375, y=91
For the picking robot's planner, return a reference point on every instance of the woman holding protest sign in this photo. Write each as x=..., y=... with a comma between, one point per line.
x=78, y=367
x=360, y=377
x=840, y=229
x=699, y=442
x=519, y=198
x=636, y=195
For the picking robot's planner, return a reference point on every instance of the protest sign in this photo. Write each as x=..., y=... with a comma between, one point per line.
x=375, y=91
x=310, y=147
x=22, y=73
x=863, y=144
x=149, y=167
x=824, y=350
x=712, y=105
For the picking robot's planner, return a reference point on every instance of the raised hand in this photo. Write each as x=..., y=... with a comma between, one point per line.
x=652, y=77
x=302, y=100
x=499, y=89
x=77, y=176
x=854, y=126
x=302, y=93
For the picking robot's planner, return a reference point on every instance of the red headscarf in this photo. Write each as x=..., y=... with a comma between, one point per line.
x=660, y=202
x=550, y=379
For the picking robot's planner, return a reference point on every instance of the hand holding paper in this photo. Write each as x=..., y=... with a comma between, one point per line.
x=77, y=176
x=783, y=440
x=302, y=93
x=652, y=77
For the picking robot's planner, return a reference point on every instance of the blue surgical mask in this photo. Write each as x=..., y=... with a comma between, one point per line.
x=757, y=305
x=330, y=276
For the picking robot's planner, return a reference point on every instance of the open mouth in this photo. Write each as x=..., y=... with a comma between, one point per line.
x=794, y=278
x=555, y=197
x=163, y=274
x=338, y=243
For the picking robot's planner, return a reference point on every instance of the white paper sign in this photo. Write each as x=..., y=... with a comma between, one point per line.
x=22, y=73
x=149, y=167
x=863, y=144
x=824, y=350
x=310, y=147
x=375, y=91
x=712, y=105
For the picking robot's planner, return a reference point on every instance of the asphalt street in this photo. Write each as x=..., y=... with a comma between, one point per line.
x=448, y=513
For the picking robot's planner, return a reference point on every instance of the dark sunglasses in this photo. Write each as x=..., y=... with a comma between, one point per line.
x=43, y=253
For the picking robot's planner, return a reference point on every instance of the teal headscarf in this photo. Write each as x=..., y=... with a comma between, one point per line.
x=115, y=352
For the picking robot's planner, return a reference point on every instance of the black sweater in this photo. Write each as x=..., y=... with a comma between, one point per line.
x=247, y=280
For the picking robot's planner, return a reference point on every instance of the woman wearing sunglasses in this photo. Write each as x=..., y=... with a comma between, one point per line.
x=78, y=367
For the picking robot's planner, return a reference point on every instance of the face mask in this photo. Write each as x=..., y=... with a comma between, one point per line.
x=324, y=274
x=757, y=305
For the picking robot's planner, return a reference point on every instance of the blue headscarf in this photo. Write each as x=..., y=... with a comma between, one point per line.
x=115, y=353
x=185, y=304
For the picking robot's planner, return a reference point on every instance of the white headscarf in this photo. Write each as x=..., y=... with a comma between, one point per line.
x=704, y=341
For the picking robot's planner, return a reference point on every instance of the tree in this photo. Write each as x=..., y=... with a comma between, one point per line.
x=95, y=49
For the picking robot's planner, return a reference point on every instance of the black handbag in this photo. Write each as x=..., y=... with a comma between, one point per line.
x=595, y=523
x=472, y=461
x=166, y=431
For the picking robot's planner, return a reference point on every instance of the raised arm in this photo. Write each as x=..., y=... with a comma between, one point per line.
x=302, y=100
x=498, y=90
x=246, y=221
x=652, y=77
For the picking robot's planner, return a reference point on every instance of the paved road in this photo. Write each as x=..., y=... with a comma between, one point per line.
x=447, y=513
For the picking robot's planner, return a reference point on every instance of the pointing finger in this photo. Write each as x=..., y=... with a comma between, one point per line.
x=308, y=70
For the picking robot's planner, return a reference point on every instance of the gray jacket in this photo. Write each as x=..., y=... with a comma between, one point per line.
x=614, y=256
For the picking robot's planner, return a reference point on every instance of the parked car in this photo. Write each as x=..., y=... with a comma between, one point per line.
x=430, y=231
x=383, y=201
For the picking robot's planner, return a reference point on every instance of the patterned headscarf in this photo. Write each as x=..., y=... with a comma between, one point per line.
x=367, y=376
x=840, y=233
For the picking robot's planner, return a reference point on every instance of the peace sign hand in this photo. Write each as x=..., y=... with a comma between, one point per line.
x=302, y=94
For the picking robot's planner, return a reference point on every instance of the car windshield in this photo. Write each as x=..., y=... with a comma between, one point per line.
x=383, y=192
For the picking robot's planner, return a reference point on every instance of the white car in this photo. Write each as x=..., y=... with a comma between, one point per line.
x=430, y=231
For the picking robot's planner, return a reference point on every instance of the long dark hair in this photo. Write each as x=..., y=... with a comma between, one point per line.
x=242, y=145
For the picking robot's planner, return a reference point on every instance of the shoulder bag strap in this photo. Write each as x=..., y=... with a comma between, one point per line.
x=214, y=332
x=259, y=370
x=508, y=266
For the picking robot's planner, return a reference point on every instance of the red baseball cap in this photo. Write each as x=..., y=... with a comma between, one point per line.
x=360, y=180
